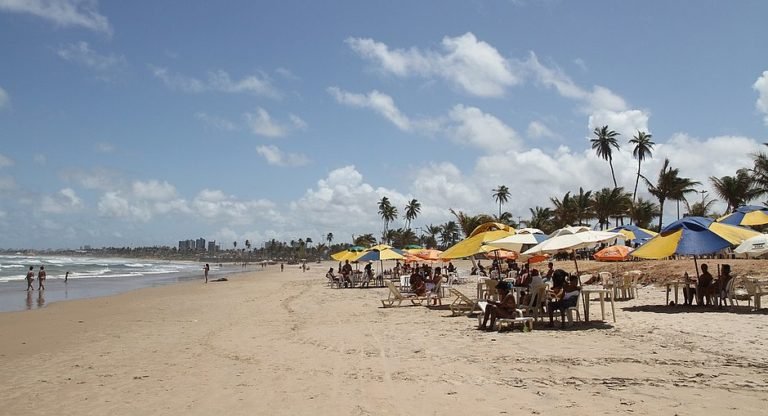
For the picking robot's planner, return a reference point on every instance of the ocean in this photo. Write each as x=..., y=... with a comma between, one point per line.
x=90, y=277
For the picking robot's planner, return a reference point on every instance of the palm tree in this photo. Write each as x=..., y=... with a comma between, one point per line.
x=449, y=233
x=701, y=208
x=583, y=207
x=682, y=187
x=412, y=211
x=506, y=218
x=501, y=195
x=365, y=240
x=564, y=213
x=388, y=212
x=468, y=223
x=643, y=212
x=609, y=203
x=541, y=218
x=329, y=238
x=234, y=245
x=643, y=149
x=735, y=190
x=760, y=171
x=603, y=144
x=669, y=185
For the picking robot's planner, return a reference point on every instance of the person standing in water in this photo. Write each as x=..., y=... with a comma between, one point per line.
x=206, y=269
x=41, y=278
x=66, y=277
x=30, y=278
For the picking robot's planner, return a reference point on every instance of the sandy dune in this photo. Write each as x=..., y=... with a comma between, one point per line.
x=285, y=343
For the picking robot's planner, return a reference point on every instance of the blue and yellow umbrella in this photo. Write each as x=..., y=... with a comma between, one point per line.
x=693, y=236
x=633, y=232
x=746, y=215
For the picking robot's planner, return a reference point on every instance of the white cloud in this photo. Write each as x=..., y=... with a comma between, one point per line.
x=380, y=103
x=65, y=201
x=40, y=159
x=114, y=204
x=627, y=123
x=7, y=183
x=5, y=161
x=261, y=123
x=66, y=13
x=537, y=129
x=274, y=156
x=82, y=54
x=4, y=98
x=482, y=130
x=104, y=147
x=217, y=81
x=761, y=86
x=98, y=178
x=474, y=66
x=153, y=190
x=297, y=122
x=216, y=121
x=214, y=205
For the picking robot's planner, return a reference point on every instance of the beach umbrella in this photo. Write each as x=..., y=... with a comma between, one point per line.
x=568, y=242
x=633, y=232
x=516, y=242
x=569, y=230
x=613, y=253
x=380, y=253
x=348, y=254
x=429, y=254
x=492, y=252
x=754, y=246
x=746, y=215
x=479, y=236
x=693, y=236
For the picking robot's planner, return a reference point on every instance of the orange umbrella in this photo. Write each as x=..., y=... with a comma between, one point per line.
x=501, y=255
x=613, y=253
x=410, y=258
x=429, y=254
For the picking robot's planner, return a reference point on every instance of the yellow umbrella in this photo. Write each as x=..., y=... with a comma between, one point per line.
x=348, y=254
x=472, y=245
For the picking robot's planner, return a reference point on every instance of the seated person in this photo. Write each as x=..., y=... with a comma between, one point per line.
x=550, y=272
x=524, y=277
x=418, y=285
x=332, y=277
x=346, y=274
x=505, y=308
x=722, y=282
x=432, y=286
x=705, y=286
x=451, y=268
x=563, y=298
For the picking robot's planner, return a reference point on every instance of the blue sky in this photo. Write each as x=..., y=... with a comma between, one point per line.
x=141, y=123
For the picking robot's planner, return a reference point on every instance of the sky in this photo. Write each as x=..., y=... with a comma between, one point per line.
x=144, y=123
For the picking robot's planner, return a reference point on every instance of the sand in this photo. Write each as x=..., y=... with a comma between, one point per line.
x=285, y=343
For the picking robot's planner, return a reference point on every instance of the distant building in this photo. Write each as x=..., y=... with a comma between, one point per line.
x=186, y=245
x=211, y=246
x=200, y=244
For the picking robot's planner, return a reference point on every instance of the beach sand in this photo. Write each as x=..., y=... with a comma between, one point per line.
x=285, y=343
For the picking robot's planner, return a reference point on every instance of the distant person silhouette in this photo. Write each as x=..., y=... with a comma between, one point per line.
x=41, y=278
x=206, y=268
x=30, y=278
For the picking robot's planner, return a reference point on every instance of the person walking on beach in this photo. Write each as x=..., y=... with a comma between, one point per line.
x=206, y=268
x=282, y=266
x=30, y=278
x=41, y=278
x=66, y=277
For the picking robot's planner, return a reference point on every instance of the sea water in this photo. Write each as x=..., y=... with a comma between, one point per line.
x=88, y=277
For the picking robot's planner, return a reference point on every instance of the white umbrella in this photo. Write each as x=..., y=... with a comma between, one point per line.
x=517, y=241
x=753, y=246
x=572, y=241
x=570, y=230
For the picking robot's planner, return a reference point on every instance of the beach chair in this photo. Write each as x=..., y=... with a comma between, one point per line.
x=396, y=296
x=526, y=322
x=569, y=312
x=462, y=303
x=333, y=280
x=535, y=306
x=734, y=294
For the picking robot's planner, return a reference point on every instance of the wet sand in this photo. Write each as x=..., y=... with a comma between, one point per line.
x=286, y=343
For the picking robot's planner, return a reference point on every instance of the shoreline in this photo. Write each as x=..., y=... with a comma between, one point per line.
x=15, y=298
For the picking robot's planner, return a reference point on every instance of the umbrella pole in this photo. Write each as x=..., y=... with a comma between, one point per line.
x=696, y=265
x=575, y=263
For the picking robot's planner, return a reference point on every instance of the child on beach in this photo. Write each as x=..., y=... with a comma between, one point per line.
x=30, y=278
